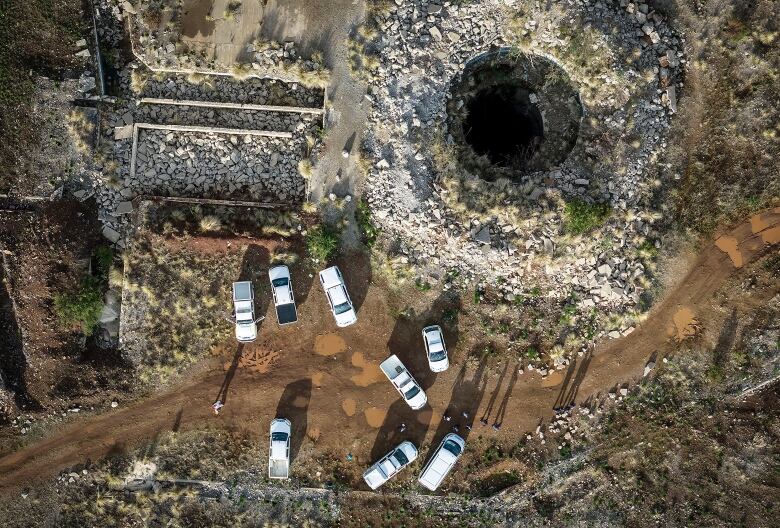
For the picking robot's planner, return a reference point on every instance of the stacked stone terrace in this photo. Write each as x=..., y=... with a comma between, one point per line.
x=216, y=137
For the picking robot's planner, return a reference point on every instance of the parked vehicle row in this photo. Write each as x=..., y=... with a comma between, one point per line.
x=434, y=472
x=284, y=301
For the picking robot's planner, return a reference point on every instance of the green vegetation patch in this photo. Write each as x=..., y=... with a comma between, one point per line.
x=368, y=230
x=322, y=242
x=582, y=217
x=82, y=308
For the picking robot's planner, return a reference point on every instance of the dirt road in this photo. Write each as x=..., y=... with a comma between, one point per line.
x=326, y=381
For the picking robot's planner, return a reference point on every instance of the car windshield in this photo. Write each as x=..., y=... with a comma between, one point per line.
x=438, y=356
x=401, y=457
x=276, y=437
x=341, y=308
x=411, y=393
x=279, y=282
x=452, y=447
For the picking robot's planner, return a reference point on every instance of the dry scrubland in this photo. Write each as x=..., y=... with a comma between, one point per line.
x=726, y=139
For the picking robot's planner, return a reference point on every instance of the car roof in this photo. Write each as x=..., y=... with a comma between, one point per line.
x=278, y=272
x=338, y=295
x=330, y=277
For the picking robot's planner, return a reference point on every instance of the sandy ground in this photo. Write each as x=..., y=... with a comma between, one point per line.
x=327, y=382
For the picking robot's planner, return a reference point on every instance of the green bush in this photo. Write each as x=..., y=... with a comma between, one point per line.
x=367, y=228
x=581, y=217
x=83, y=307
x=322, y=242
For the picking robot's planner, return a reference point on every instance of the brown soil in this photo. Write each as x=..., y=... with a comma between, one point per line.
x=286, y=388
x=48, y=248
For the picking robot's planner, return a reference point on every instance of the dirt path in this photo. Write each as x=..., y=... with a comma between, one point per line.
x=327, y=386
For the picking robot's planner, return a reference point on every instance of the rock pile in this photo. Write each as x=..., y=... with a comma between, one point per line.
x=225, y=118
x=218, y=166
x=227, y=89
x=626, y=63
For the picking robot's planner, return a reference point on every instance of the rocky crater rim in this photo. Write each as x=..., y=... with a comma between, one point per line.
x=511, y=113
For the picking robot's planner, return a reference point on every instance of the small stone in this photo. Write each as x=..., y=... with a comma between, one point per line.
x=114, y=405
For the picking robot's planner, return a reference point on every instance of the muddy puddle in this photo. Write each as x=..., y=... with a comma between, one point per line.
x=329, y=344
x=313, y=433
x=375, y=416
x=554, y=379
x=316, y=379
x=349, y=406
x=684, y=324
x=371, y=372
x=730, y=246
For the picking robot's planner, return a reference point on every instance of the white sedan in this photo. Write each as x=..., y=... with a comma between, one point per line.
x=338, y=298
x=435, y=349
x=390, y=464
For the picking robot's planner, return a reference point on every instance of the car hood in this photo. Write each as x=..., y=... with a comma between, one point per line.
x=246, y=331
x=419, y=400
x=346, y=318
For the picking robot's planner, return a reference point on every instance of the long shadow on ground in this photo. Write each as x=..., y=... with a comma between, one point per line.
x=294, y=405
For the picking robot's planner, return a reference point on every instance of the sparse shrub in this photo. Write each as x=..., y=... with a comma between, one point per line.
x=305, y=169
x=81, y=308
x=210, y=223
x=422, y=285
x=368, y=230
x=322, y=242
x=581, y=217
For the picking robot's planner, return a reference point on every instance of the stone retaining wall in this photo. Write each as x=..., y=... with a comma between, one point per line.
x=218, y=166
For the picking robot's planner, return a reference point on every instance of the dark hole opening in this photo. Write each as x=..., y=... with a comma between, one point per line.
x=503, y=124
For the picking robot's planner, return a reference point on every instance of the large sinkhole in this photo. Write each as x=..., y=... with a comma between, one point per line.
x=512, y=114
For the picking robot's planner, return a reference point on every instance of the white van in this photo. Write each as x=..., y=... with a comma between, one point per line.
x=442, y=461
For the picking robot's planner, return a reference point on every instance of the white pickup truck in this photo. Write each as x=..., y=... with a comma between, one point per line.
x=390, y=464
x=244, y=310
x=283, y=295
x=279, y=449
x=404, y=383
x=442, y=461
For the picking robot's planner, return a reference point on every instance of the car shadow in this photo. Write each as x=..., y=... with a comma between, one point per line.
x=294, y=405
x=355, y=266
x=254, y=268
x=406, y=340
x=465, y=399
x=401, y=423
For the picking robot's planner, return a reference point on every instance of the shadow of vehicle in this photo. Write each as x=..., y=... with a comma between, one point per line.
x=465, y=399
x=294, y=405
x=254, y=268
x=406, y=340
x=355, y=266
x=401, y=423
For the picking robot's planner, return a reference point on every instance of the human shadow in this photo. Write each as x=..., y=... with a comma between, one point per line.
x=254, y=268
x=501, y=413
x=222, y=395
x=406, y=340
x=355, y=266
x=568, y=394
x=494, y=395
x=465, y=399
x=401, y=423
x=294, y=405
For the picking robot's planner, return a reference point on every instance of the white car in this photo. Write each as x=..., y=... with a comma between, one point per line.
x=338, y=298
x=404, y=383
x=442, y=461
x=279, y=449
x=390, y=464
x=284, y=301
x=244, y=311
x=435, y=349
